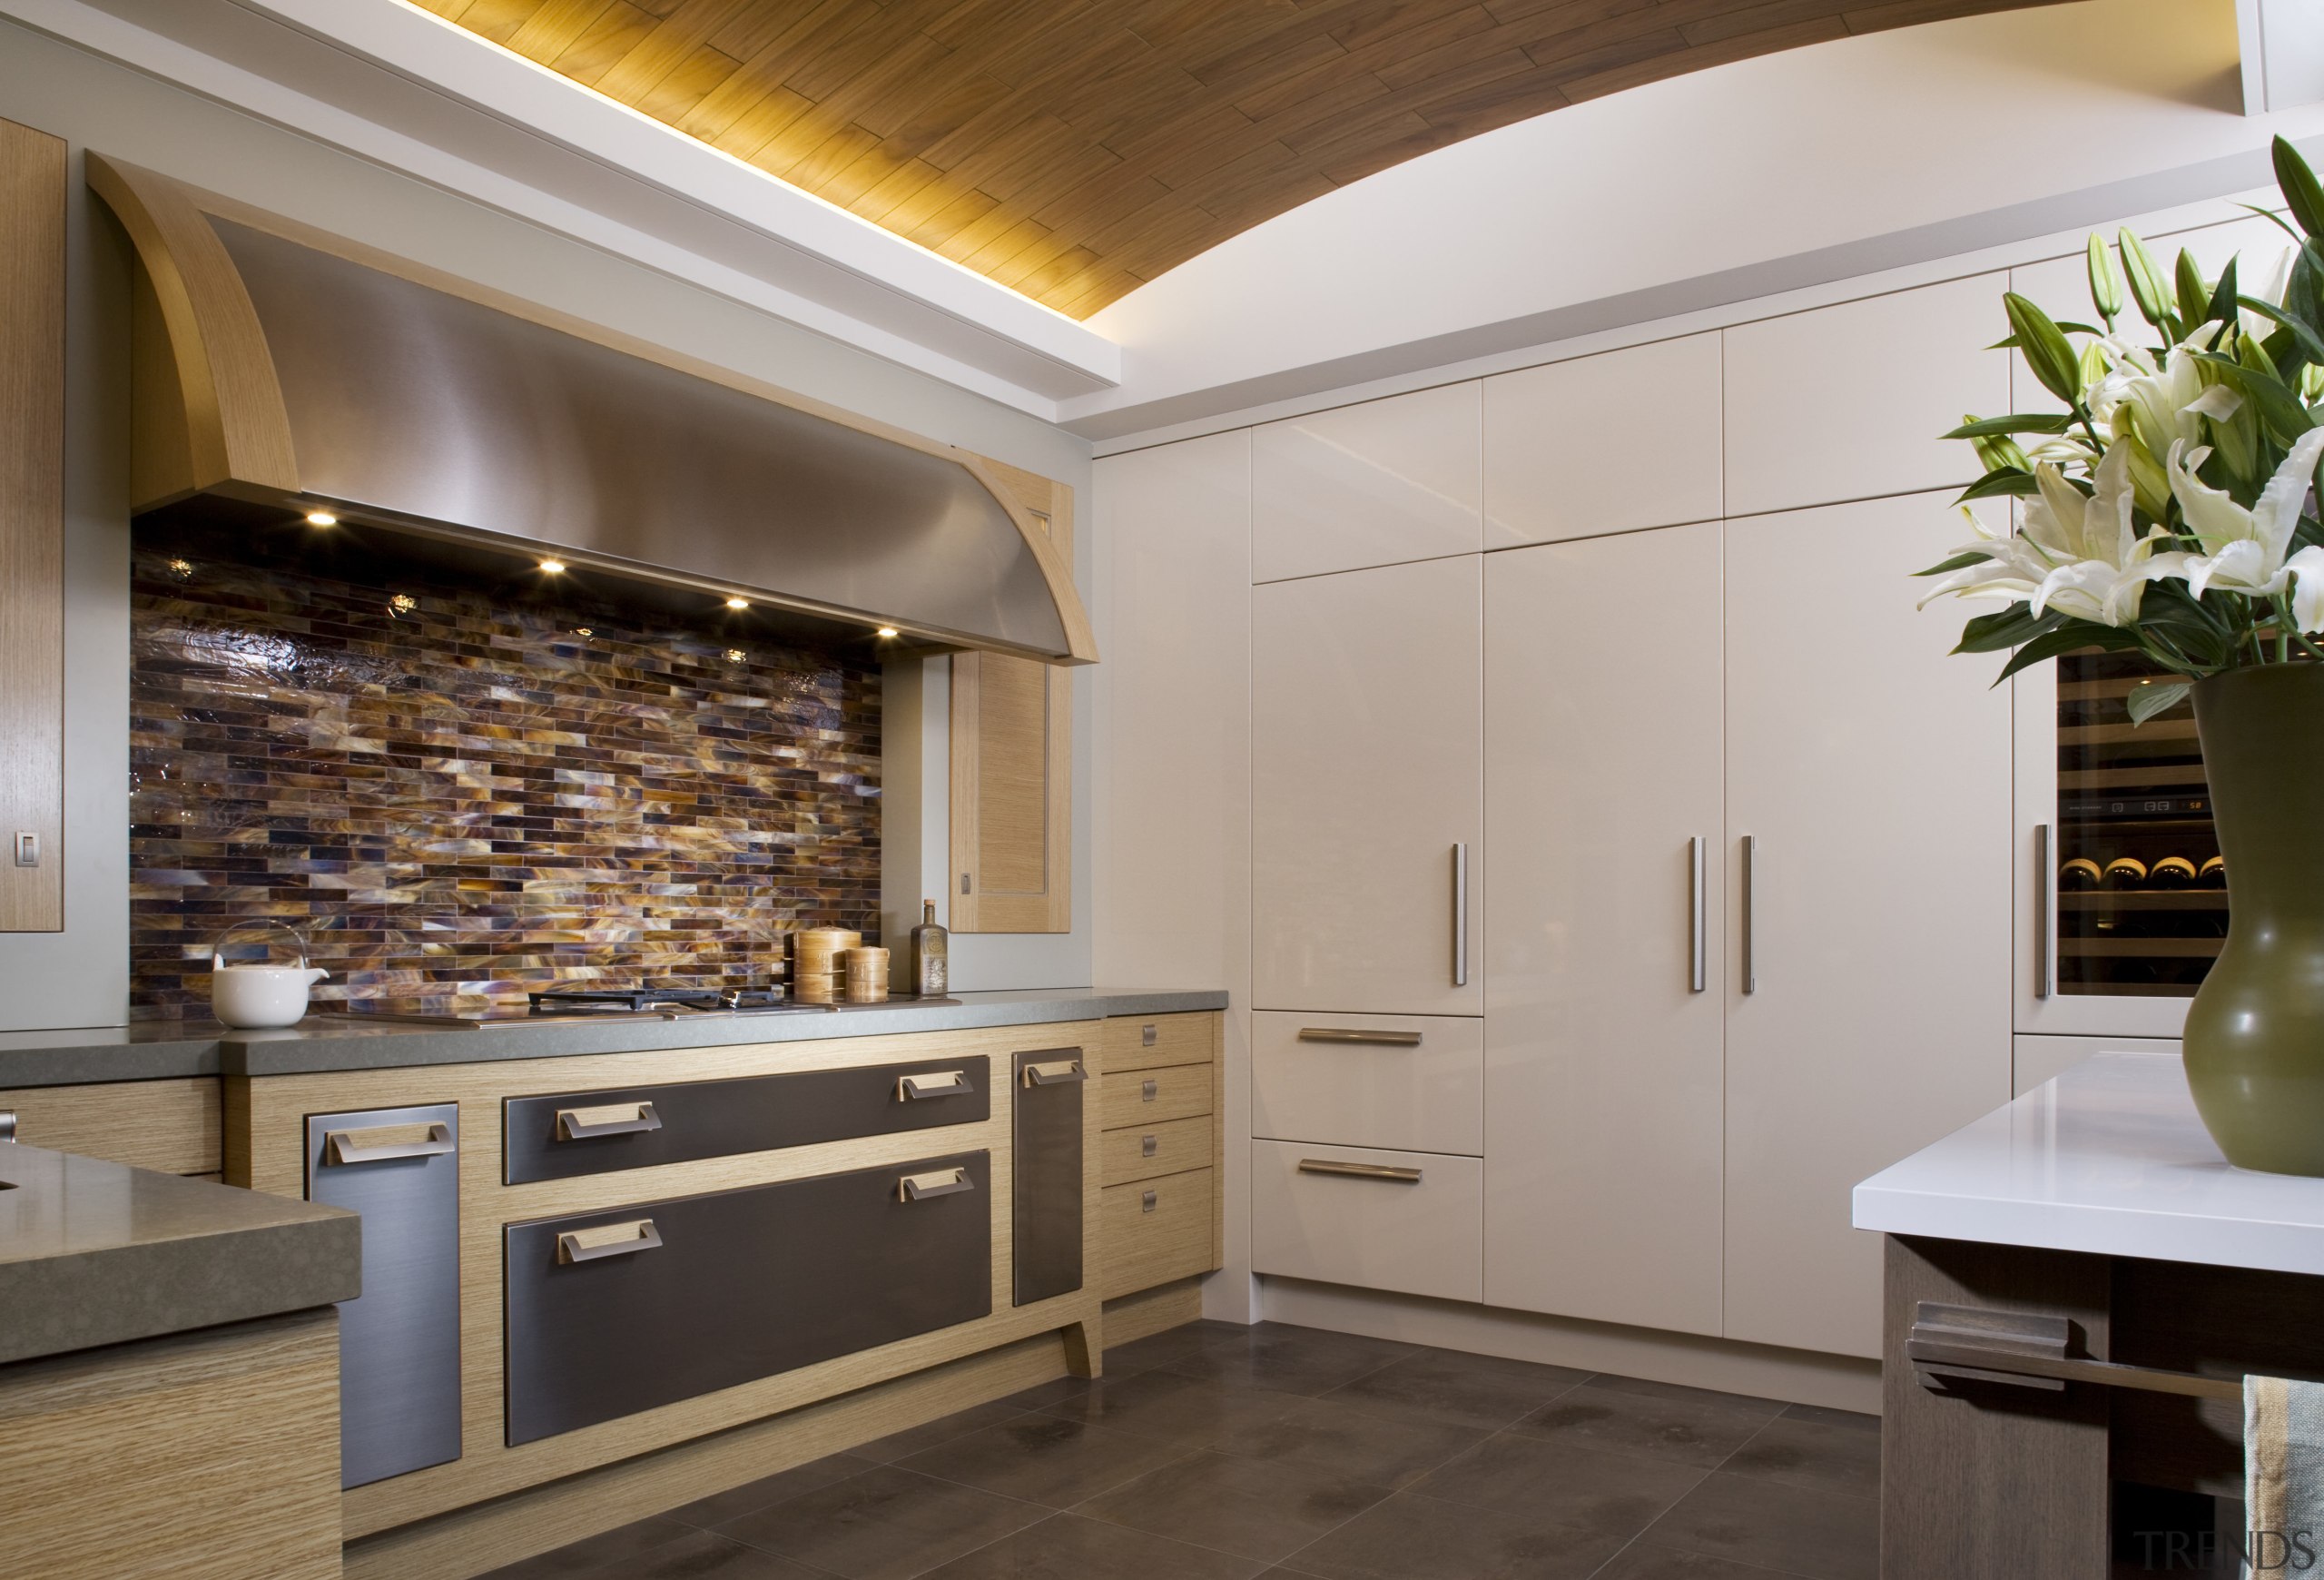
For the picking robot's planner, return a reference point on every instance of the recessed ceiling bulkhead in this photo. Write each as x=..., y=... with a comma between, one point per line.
x=283, y=368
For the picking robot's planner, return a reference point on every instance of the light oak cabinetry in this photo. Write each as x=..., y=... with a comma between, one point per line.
x=32, y=531
x=171, y=1126
x=1604, y=1011
x=1160, y=1101
x=1367, y=745
x=1376, y=484
x=1873, y=774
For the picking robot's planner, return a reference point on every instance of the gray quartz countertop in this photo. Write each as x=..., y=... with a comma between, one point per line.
x=154, y=1051
x=94, y=1253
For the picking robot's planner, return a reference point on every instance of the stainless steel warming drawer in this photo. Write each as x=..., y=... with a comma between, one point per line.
x=611, y=1313
x=637, y=1127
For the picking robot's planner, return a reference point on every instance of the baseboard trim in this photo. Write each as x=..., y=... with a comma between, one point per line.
x=1150, y=1312
x=1800, y=1377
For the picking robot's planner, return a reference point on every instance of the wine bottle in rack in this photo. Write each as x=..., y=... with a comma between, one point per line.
x=2171, y=873
x=2123, y=873
x=2078, y=876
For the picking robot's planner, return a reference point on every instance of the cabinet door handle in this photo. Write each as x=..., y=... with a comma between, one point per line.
x=2045, y=914
x=607, y=1239
x=7, y=1124
x=1148, y=1091
x=1459, y=915
x=1360, y=1170
x=935, y=1084
x=389, y=1142
x=1064, y=1073
x=1148, y=1146
x=1367, y=1039
x=1750, y=917
x=1697, y=923
x=943, y=1182
x=622, y=1118
x=1149, y=1035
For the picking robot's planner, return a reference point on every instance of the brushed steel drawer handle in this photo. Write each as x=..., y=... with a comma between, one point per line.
x=1064, y=1073
x=1149, y=1035
x=607, y=1239
x=1366, y=1039
x=1148, y=1146
x=388, y=1142
x=935, y=1084
x=7, y=1124
x=1360, y=1170
x=1148, y=1091
x=1149, y=1201
x=620, y=1119
x=943, y=1182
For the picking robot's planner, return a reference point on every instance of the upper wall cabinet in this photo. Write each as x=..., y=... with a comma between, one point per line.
x=32, y=531
x=1846, y=402
x=1376, y=484
x=1571, y=451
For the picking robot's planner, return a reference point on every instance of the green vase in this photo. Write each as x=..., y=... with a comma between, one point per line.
x=2255, y=1030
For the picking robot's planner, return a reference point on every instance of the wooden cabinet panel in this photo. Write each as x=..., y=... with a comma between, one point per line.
x=1380, y=483
x=1873, y=772
x=1846, y=402
x=1172, y=1147
x=1152, y=1097
x=1570, y=450
x=1368, y=752
x=1151, y=1041
x=1603, y=1080
x=1421, y=1236
x=1013, y=765
x=1157, y=1230
x=1341, y=1082
x=32, y=531
x=169, y=1126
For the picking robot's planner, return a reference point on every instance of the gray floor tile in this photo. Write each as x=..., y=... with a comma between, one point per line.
x=1467, y=1390
x=1409, y=1537
x=959, y=1424
x=1801, y=1453
x=1245, y=1506
x=1645, y=1560
x=1299, y=1360
x=1688, y=1431
x=886, y=1523
x=1822, y=1534
x=1049, y=1393
x=1146, y=1353
x=1326, y=1434
x=1855, y=1419
x=1194, y=1411
x=1046, y=1460
x=1068, y=1548
x=622, y=1544
x=769, y=1490
x=1749, y=1402
x=655, y=1549
x=1610, y=1494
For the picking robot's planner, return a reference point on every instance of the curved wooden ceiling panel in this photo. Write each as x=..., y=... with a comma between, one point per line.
x=1073, y=149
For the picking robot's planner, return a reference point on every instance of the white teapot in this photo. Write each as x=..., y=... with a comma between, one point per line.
x=258, y=996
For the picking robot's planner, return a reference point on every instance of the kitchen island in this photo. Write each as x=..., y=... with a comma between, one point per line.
x=2076, y=1284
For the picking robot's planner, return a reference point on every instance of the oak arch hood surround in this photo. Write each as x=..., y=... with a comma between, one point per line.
x=283, y=368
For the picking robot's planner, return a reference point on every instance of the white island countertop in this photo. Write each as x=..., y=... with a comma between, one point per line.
x=2110, y=1158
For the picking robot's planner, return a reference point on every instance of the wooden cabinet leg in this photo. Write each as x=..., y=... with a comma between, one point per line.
x=1085, y=1355
x=1983, y=1479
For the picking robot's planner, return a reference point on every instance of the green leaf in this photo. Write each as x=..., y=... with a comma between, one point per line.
x=2016, y=422
x=1958, y=562
x=2156, y=696
x=2014, y=625
x=2223, y=303
x=2000, y=480
x=2044, y=349
x=2309, y=340
x=2195, y=292
x=2275, y=403
x=2298, y=185
x=2072, y=637
x=2106, y=280
x=2145, y=279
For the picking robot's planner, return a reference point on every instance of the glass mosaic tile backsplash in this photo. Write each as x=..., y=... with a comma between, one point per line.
x=459, y=792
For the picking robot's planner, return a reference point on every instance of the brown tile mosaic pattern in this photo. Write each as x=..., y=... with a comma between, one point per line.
x=458, y=795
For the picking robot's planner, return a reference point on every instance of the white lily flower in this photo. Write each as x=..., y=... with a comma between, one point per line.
x=2160, y=402
x=2078, y=554
x=2244, y=551
x=2258, y=326
x=2305, y=569
x=2013, y=569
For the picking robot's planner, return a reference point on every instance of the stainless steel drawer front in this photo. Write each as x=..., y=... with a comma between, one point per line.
x=399, y=1341
x=1050, y=1088
x=577, y=1133
x=736, y=1285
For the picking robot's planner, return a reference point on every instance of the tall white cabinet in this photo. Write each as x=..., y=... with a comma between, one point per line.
x=1606, y=971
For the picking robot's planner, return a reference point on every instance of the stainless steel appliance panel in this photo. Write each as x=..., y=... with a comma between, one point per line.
x=1045, y=1100
x=399, y=1341
x=611, y=1313
x=718, y=1119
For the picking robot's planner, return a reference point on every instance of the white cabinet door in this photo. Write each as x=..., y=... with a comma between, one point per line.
x=1367, y=759
x=1602, y=1078
x=1414, y=1082
x=1846, y=402
x=1361, y=1216
x=1610, y=443
x=1873, y=772
x=1380, y=483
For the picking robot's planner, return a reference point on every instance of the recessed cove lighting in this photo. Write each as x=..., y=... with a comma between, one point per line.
x=552, y=567
x=887, y=631
x=321, y=518
x=738, y=603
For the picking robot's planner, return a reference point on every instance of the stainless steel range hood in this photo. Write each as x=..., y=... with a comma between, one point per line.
x=284, y=369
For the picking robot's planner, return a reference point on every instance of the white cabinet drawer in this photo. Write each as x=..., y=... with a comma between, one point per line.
x=1409, y=1082
x=1319, y=1212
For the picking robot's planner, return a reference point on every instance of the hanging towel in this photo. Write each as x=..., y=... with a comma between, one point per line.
x=2283, y=1477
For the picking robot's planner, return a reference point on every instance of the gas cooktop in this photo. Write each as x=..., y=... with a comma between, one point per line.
x=562, y=1005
